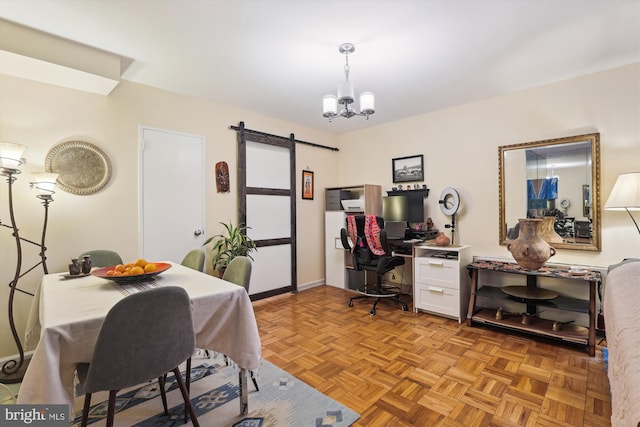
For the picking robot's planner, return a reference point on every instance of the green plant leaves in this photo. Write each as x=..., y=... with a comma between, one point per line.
x=233, y=243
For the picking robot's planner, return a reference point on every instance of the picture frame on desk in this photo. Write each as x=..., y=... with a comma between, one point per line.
x=307, y=185
x=408, y=169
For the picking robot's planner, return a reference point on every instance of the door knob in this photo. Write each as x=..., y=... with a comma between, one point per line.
x=197, y=232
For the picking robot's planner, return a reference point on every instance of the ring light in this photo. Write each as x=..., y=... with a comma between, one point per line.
x=449, y=201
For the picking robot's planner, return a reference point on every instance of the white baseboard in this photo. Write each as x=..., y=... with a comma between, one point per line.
x=310, y=285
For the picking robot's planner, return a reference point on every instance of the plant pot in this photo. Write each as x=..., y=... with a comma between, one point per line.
x=529, y=250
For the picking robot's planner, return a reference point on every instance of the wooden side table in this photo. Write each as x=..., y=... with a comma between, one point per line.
x=540, y=327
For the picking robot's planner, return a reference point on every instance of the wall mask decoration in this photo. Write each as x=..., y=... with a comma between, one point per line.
x=83, y=168
x=222, y=177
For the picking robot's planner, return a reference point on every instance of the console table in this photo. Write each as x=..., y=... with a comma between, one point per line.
x=533, y=297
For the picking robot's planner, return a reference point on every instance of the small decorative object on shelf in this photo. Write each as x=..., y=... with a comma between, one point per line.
x=75, y=268
x=529, y=250
x=442, y=240
x=86, y=264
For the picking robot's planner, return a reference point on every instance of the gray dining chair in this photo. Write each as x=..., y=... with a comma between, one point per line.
x=194, y=259
x=103, y=258
x=143, y=336
x=239, y=272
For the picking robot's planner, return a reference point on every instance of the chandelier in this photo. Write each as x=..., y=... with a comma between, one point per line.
x=346, y=95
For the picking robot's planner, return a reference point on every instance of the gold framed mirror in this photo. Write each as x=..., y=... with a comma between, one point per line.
x=555, y=179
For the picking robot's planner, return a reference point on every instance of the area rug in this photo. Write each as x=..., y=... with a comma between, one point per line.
x=283, y=400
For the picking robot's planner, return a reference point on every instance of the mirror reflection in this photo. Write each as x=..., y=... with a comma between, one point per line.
x=552, y=180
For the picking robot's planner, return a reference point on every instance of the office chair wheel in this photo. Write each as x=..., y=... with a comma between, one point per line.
x=372, y=312
x=350, y=303
x=405, y=307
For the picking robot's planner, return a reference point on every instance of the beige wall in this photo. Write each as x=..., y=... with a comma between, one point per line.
x=460, y=146
x=41, y=116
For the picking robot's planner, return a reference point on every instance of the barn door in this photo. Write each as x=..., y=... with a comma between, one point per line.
x=266, y=188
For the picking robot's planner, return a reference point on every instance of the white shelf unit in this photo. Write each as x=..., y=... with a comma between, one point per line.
x=441, y=280
x=338, y=271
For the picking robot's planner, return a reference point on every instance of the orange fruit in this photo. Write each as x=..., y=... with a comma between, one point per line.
x=140, y=262
x=136, y=270
x=150, y=268
x=119, y=268
x=110, y=272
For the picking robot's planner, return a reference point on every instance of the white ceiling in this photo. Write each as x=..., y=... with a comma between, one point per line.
x=279, y=57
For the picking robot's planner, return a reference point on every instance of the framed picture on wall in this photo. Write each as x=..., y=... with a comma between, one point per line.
x=307, y=185
x=408, y=169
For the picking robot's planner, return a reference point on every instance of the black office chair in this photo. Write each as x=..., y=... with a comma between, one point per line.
x=366, y=239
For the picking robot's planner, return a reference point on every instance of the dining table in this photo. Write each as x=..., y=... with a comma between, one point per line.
x=67, y=315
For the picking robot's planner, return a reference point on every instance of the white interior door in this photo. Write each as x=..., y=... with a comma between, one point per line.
x=172, y=189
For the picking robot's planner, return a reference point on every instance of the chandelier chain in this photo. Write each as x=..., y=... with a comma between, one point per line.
x=347, y=68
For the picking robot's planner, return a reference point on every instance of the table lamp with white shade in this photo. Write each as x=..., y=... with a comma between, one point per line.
x=625, y=195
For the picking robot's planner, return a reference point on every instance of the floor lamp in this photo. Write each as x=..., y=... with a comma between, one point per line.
x=10, y=160
x=625, y=195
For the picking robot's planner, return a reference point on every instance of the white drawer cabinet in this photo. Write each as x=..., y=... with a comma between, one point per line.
x=440, y=282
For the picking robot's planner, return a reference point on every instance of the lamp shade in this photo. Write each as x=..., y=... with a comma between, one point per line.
x=11, y=155
x=345, y=93
x=367, y=103
x=626, y=193
x=329, y=105
x=44, y=182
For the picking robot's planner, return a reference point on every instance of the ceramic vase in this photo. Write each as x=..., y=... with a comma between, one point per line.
x=547, y=232
x=529, y=250
x=75, y=268
x=86, y=264
x=442, y=240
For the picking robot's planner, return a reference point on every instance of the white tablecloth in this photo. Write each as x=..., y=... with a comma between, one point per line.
x=71, y=313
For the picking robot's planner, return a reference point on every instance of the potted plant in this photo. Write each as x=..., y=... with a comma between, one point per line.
x=230, y=245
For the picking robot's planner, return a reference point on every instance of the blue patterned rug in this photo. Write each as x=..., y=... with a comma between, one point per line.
x=283, y=400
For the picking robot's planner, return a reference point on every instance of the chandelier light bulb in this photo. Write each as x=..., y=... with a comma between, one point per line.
x=329, y=105
x=367, y=103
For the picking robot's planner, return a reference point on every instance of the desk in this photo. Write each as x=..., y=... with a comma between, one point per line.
x=71, y=313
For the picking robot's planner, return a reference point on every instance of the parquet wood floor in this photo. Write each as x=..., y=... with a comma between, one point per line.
x=406, y=369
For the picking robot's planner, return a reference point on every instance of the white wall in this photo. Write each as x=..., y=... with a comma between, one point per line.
x=460, y=145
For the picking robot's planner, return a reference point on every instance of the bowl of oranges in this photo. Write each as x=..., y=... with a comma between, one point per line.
x=131, y=272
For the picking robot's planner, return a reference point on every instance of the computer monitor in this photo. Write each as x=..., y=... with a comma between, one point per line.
x=403, y=207
x=395, y=229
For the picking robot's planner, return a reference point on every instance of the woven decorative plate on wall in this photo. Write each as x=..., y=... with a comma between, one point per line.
x=83, y=168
